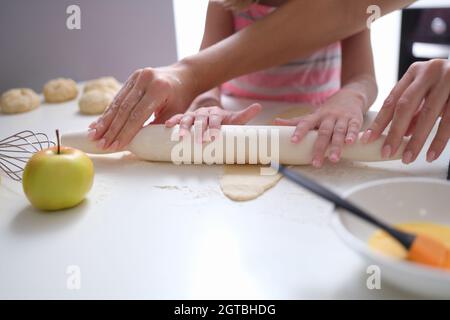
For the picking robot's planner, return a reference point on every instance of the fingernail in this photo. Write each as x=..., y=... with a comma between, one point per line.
x=334, y=157
x=294, y=139
x=101, y=144
x=92, y=125
x=317, y=163
x=114, y=146
x=386, y=151
x=91, y=133
x=431, y=156
x=407, y=157
x=366, y=136
x=349, y=139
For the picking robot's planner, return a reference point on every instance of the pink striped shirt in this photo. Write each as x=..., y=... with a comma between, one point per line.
x=310, y=80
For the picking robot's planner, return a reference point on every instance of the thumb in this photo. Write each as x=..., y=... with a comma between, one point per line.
x=243, y=116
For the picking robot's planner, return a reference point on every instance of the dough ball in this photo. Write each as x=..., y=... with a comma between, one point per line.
x=95, y=101
x=104, y=83
x=60, y=90
x=19, y=100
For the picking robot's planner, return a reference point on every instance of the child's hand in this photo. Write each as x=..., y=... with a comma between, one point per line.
x=212, y=118
x=338, y=121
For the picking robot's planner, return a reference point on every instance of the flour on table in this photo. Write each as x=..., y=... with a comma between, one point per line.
x=101, y=190
x=169, y=187
x=189, y=193
x=245, y=182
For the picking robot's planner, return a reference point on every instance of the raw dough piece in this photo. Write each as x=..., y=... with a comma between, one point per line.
x=95, y=101
x=98, y=94
x=245, y=182
x=104, y=83
x=19, y=100
x=60, y=90
x=294, y=113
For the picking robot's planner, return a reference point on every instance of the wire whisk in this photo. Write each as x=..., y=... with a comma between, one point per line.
x=16, y=150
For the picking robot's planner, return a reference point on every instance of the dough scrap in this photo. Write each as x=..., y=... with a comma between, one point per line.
x=60, y=90
x=95, y=101
x=294, y=113
x=19, y=100
x=245, y=182
x=103, y=83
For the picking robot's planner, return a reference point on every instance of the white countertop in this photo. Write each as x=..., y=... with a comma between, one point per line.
x=155, y=230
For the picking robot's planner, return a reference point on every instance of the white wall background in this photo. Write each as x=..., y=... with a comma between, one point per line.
x=386, y=44
x=189, y=23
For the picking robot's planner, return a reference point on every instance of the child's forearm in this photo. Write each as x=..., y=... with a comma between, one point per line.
x=363, y=88
x=276, y=39
x=358, y=71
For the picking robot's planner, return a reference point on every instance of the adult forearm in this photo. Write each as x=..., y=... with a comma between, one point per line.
x=296, y=29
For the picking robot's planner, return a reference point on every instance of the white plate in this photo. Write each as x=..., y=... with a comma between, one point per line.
x=396, y=201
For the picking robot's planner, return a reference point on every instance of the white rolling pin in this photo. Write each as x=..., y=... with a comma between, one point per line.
x=235, y=144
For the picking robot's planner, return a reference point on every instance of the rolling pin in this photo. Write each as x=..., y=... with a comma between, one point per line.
x=234, y=145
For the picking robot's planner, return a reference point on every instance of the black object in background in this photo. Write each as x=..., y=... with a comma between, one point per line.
x=448, y=172
x=428, y=29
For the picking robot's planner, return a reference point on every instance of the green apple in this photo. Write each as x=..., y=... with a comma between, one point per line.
x=57, y=178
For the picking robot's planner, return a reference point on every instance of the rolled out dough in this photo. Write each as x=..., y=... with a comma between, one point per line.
x=243, y=182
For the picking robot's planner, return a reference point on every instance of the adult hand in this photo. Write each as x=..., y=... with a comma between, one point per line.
x=163, y=91
x=412, y=108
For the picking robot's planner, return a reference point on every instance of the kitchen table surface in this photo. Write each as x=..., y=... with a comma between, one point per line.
x=160, y=231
